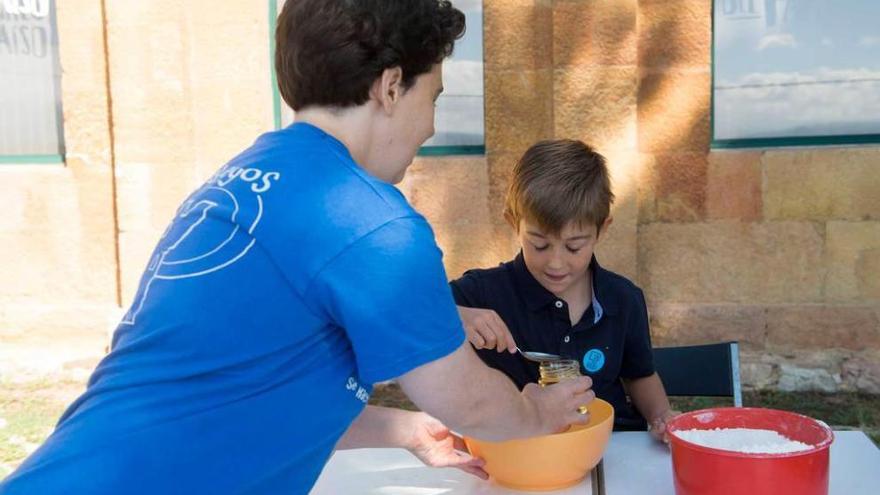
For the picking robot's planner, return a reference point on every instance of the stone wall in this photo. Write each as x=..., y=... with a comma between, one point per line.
x=779, y=249
x=191, y=88
x=57, y=234
x=186, y=86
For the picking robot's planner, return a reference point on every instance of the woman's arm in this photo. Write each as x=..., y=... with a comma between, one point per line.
x=424, y=436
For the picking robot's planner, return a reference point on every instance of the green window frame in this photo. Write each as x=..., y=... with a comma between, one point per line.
x=277, y=104
x=771, y=142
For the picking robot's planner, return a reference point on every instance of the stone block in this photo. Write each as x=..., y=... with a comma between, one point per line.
x=148, y=194
x=675, y=188
x=731, y=262
x=229, y=121
x=517, y=34
x=862, y=372
x=618, y=251
x=823, y=326
x=830, y=359
x=448, y=189
x=691, y=324
x=675, y=34
x=868, y=269
x=758, y=376
x=163, y=134
x=829, y=370
x=208, y=14
x=135, y=248
x=852, y=253
x=500, y=171
x=471, y=246
x=594, y=32
x=674, y=111
x=84, y=91
x=793, y=378
x=81, y=47
x=235, y=58
x=86, y=129
x=451, y=193
x=628, y=170
x=822, y=184
x=57, y=242
x=39, y=339
x=519, y=109
x=596, y=105
x=733, y=189
x=77, y=13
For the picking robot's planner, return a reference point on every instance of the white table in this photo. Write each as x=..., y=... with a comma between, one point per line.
x=634, y=463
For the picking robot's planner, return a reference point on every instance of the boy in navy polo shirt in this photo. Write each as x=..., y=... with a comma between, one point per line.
x=555, y=298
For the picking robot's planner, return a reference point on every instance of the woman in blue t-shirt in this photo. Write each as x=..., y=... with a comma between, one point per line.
x=288, y=284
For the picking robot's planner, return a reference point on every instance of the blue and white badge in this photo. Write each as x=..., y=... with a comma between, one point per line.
x=594, y=360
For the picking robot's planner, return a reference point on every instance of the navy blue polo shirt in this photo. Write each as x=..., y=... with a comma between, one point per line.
x=611, y=341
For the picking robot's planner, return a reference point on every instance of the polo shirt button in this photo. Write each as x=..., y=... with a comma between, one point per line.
x=566, y=339
x=559, y=304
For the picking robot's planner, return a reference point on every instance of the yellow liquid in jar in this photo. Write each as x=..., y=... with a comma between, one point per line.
x=556, y=371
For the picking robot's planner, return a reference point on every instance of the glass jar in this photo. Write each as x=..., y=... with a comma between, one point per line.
x=556, y=371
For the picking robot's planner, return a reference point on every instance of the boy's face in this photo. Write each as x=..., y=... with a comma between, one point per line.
x=559, y=262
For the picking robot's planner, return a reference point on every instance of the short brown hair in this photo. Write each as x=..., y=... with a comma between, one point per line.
x=557, y=182
x=329, y=52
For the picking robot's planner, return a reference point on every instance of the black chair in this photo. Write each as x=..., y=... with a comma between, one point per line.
x=710, y=370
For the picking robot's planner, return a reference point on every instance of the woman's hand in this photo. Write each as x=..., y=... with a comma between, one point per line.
x=436, y=446
x=486, y=330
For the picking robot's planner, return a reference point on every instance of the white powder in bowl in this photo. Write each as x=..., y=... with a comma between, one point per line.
x=744, y=440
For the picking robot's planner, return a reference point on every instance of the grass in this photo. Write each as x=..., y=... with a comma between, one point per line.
x=29, y=411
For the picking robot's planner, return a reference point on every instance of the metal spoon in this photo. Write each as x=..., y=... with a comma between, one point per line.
x=538, y=357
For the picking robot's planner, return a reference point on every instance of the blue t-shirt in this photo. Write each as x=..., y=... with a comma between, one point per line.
x=284, y=288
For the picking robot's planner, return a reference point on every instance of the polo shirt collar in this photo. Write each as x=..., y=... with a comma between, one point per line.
x=538, y=297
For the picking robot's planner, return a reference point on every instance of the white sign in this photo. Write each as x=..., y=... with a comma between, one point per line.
x=35, y=8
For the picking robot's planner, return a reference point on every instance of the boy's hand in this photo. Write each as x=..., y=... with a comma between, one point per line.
x=657, y=426
x=557, y=405
x=486, y=330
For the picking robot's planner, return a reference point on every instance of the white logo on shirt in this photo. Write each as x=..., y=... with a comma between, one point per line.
x=361, y=393
x=185, y=250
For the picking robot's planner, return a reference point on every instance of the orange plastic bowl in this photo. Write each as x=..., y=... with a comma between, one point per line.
x=548, y=462
x=699, y=470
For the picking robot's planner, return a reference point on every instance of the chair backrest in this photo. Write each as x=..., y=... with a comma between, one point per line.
x=710, y=370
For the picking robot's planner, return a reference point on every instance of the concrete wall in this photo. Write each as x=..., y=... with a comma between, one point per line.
x=779, y=249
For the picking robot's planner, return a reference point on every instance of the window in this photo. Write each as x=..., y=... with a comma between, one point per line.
x=30, y=89
x=796, y=72
x=459, y=117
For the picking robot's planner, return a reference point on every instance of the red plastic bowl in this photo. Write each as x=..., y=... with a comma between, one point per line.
x=699, y=470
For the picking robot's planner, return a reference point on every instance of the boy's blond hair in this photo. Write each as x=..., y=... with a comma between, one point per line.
x=557, y=182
